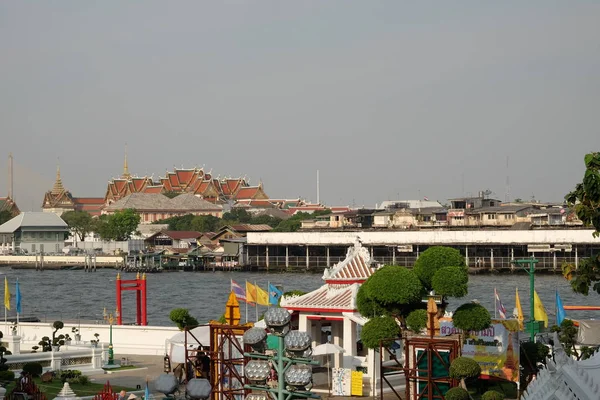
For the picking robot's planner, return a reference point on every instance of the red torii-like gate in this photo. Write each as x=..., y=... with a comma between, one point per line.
x=139, y=285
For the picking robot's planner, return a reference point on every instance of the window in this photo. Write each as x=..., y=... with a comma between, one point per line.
x=491, y=216
x=57, y=248
x=33, y=248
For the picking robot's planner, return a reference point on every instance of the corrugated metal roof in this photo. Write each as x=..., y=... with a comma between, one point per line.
x=33, y=220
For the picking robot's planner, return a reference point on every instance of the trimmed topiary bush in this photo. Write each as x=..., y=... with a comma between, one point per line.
x=492, y=395
x=7, y=376
x=417, y=320
x=33, y=368
x=367, y=306
x=394, y=285
x=462, y=368
x=471, y=317
x=451, y=281
x=435, y=258
x=377, y=329
x=457, y=393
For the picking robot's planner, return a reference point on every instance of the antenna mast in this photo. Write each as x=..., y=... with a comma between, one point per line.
x=10, y=176
x=318, y=198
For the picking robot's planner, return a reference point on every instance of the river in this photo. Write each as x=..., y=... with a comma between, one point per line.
x=73, y=295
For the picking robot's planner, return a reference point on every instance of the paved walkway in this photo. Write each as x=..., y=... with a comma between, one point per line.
x=150, y=367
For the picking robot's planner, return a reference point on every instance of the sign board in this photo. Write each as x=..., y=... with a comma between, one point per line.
x=564, y=247
x=495, y=349
x=405, y=248
x=357, y=383
x=341, y=381
x=538, y=248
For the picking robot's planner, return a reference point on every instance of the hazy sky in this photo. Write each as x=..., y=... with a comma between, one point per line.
x=387, y=99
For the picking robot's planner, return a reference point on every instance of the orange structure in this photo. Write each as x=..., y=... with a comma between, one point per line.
x=139, y=286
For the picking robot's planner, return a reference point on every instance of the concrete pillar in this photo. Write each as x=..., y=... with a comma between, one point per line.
x=267, y=261
x=512, y=254
x=307, y=259
x=371, y=248
x=14, y=343
x=554, y=260
x=492, y=258
x=327, y=249
x=393, y=255
x=349, y=342
x=337, y=329
x=467, y=255
x=287, y=257
x=303, y=324
x=576, y=258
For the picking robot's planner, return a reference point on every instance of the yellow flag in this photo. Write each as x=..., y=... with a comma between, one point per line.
x=519, y=310
x=6, y=294
x=250, y=293
x=539, y=313
x=262, y=297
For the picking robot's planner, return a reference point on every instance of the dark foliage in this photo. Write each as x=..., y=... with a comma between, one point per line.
x=417, y=320
x=471, y=317
x=435, y=258
x=457, y=393
x=33, y=368
x=377, y=329
x=451, y=281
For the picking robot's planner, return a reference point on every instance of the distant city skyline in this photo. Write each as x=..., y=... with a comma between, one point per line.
x=387, y=99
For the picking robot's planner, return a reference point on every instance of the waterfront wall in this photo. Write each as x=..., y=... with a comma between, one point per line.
x=59, y=260
x=127, y=339
x=438, y=237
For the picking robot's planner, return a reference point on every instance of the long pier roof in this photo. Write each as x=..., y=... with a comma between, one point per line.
x=438, y=237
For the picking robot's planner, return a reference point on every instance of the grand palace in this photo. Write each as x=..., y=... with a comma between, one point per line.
x=179, y=192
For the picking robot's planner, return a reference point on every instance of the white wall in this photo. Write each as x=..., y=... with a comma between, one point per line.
x=507, y=237
x=127, y=339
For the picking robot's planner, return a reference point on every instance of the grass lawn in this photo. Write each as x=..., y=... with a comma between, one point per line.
x=51, y=389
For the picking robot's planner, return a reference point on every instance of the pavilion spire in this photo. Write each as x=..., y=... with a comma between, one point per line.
x=58, y=187
x=126, y=173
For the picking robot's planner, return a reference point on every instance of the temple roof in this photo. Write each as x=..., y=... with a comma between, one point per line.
x=33, y=220
x=341, y=287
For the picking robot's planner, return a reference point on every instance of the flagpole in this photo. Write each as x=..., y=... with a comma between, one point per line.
x=256, y=300
x=495, y=304
x=269, y=293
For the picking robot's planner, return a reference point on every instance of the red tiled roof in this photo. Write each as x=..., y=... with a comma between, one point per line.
x=88, y=200
x=251, y=228
x=356, y=267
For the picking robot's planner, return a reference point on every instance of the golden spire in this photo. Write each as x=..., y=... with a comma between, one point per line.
x=144, y=276
x=126, y=173
x=119, y=276
x=58, y=187
x=137, y=276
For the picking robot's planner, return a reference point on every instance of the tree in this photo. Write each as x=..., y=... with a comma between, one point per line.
x=533, y=355
x=471, y=317
x=239, y=215
x=5, y=216
x=119, y=226
x=182, y=318
x=492, y=395
x=585, y=201
x=567, y=335
x=205, y=223
x=378, y=329
x=463, y=368
x=80, y=222
x=417, y=320
x=397, y=292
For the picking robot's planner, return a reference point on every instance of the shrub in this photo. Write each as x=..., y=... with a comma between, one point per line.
x=492, y=395
x=183, y=319
x=471, y=317
x=33, y=368
x=451, y=281
x=393, y=285
x=83, y=380
x=417, y=320
x=7, y=376
x=377, y=329
x=463, y=368
x=435, y=258
x=367, y=306
x=457, y=393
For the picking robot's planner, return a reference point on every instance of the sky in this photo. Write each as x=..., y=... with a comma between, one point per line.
x=386, y=99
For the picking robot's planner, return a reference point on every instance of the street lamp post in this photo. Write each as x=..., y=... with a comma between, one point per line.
x=531, y=271
x=110, y=319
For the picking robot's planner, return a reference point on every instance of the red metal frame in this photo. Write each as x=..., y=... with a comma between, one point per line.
x=139, y=286
x=431, y=348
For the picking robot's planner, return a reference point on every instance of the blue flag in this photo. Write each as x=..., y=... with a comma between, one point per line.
x=147, y=392
x=18, y=297
x=560, y=310
x=274, y=294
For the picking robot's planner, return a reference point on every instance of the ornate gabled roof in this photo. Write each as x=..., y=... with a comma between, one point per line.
x=58, y=187
x=327, y=297
x=566, y=378
x=356, y=267
x=341, y=287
